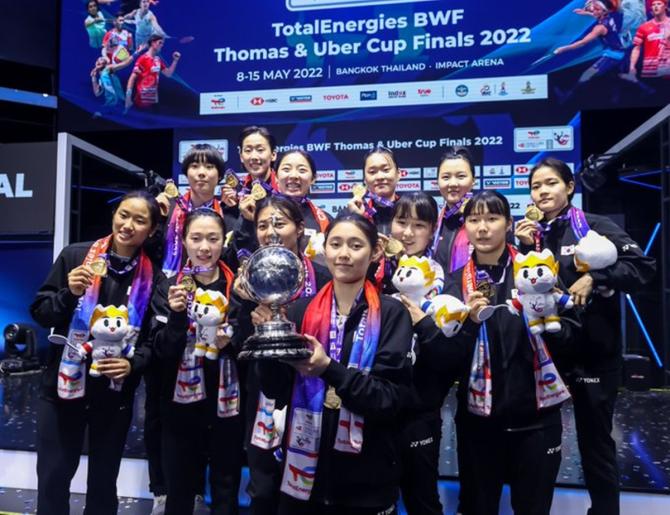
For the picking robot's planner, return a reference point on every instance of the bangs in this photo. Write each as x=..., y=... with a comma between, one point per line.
x=204, y=154
x=417, y=205
x=487, y=202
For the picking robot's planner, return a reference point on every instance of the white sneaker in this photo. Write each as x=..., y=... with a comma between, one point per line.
x=159, y=505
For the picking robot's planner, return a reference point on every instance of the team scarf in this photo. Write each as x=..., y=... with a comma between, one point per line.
x=175, y=228
x=306, y=409
x=271, y=185
x=578, y=224
x=460, y=247
x=72, y=369
x=550, y=389
x=266, y=434
x=190, y=384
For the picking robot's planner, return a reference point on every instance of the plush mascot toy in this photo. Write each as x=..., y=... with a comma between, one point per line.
x=448, y=312
x=208, y=311
x=109, y=328
x=535, y=276
x=418, y=278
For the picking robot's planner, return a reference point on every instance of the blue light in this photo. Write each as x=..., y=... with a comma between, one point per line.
x=28, y=97
x=652, y=238
x=639, y=183
x=644, y=330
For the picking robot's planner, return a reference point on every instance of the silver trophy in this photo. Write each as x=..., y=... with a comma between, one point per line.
x=273, y=275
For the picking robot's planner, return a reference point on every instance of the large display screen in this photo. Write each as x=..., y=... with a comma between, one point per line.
x=226, y=63
x=504, y=148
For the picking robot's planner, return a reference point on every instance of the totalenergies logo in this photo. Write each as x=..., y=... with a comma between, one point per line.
x=548, y=381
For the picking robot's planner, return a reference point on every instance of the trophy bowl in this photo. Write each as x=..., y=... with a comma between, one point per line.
x=273, y=276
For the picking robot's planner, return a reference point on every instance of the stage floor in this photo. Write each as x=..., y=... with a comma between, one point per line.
x=641, y=430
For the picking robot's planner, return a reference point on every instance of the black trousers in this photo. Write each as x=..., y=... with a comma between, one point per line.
x=152, y=430
x=419, y=454
x=190, y=443
x=594, y=397
x=60, y=438
x=290, y=506
x=529, y=460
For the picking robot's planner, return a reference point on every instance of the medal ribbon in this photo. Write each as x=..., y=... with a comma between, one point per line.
x=578, y=224
x=72, y=370
x=271, y=185
x=306, y=408
x=175, y=228
x=370, y=199
x=445, y=214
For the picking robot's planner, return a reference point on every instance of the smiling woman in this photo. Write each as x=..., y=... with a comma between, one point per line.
x=111, y=276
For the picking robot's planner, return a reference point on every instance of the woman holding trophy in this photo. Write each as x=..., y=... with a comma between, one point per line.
x=200, y=399
x=276, y=218
x=340, y=451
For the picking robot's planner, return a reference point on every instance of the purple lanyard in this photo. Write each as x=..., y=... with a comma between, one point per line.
x=375, y=199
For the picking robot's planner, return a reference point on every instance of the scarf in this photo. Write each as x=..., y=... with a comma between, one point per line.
x=306, y=410
x=578, y=224
x=175, y=229
x=369, y=201
x=549, y=387
x=266, y=433
x=190, y=383
x=72, y=369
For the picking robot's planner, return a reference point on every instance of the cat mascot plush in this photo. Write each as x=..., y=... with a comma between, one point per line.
x=208, y=311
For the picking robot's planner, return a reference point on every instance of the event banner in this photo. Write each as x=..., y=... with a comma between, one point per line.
x=504, y=149
x=224, y=63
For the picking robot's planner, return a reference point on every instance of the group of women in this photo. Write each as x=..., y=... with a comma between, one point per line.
x=348, y=429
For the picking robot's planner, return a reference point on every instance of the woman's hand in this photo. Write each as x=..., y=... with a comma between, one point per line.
x=239, y=286
x=317, y=363
x=261, y=314
x=114, y=368
x=581, y=289
x=414, y=311
x=248, y=208
x=476, y=301
x=525, y=230
x=79, y=279
x=228, y=195
x=355, y=205
x=177, y=298
x=222, y=339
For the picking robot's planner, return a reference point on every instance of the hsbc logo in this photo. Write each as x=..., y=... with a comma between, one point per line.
x=257, y=101
x=410, y=173
x=339, y=96
x=345, y=187
x=424, y=92
x=521, y=170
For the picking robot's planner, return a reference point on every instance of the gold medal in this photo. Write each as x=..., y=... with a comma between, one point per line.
x=332, y=400
x=393, y=247
x=231, y=180
x=486, y=289
x=359, y=190
x=461, y=209
x=99, y=267
x=258, y=192
x=171, y=190
x=533, y=213
x=187, y=283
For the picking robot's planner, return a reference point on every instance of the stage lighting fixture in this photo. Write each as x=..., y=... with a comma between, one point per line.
x=591, y=176
x=20, y=349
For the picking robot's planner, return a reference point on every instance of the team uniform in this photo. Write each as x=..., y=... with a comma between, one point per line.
x=109, y=83
x=71, y=400
x=144, y=29
x=200, y=409
x=262, y=438
x=148, y=69
x=343, y=459
x=614, y=52
x=653, y=37
x=118, y=44
x=594, y=372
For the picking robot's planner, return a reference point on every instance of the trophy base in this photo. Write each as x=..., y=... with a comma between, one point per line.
x=275, y=340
